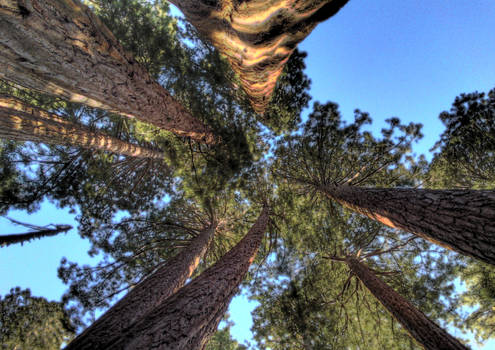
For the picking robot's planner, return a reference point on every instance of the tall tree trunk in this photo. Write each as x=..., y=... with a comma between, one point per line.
x=60, y=47
x=426, y=332
x=257, y=36
x=189, y=317
x=22, y=122
x=461, y=220
x=147, y=295
x=6, y=240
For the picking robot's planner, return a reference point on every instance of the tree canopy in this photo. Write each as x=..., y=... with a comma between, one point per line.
x=139, y=213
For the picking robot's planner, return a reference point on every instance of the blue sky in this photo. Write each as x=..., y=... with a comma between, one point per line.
x=404, y=58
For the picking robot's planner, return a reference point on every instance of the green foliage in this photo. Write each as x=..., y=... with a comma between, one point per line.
x=466, y=149
x=479, y=298
x=290, y=96
x=331, y=152
x=222, y=340
x=32, y=323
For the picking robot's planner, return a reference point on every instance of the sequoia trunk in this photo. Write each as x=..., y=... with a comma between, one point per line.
x=426, y=332
x=21, y=122
x=61, y=48
x=147, y=295
x=7, y=240
x=189, y=317
x=461, y=220
x=257, y=36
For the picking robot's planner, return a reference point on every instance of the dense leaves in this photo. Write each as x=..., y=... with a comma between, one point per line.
x=137, y=213
x=466, y=150
x=33, y=323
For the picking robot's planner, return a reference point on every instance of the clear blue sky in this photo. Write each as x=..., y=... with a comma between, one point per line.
x=404, y=58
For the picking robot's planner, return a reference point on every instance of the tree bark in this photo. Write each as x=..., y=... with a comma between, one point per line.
x=426, y=332
x=461, y=220
x=189, y=317
x=7, y=240
x=60, y=47
x=147, y=295
x=22, y=122
x=257, y=36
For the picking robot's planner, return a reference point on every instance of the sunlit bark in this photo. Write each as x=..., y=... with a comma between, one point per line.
x=257, y=36
x=147, y=295
x=189, y=317
x=461, y=220
x=22, y=122
x=61, y=48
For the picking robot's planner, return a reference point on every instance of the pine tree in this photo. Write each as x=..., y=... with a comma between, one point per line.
x=257, y=37
x=421, y=328
x=148, y=294
x=92, y=67
x=22, y=122
x=36, y=232
x=352, y=167
x=188, y=318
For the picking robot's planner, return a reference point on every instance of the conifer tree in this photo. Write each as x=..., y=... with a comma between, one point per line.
x=22, y=122
x=351, y=167
x=39, y=39
x=189, y=317
x=257, y=36
x=36, y=232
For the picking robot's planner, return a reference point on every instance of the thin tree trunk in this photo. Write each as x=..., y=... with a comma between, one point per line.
x=22, y=122
x=426, y=332
x=257, y=36
x=60, y=47
x=147, y=295
x=7, y=240
x=461, y=220
x=189, y=317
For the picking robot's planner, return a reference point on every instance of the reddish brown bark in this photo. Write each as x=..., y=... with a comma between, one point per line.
x=22, y=122
x=461, y=220
x=426, y=332
x=189, y=317
x=147, y=295
x=257, y=36
x=61, y=48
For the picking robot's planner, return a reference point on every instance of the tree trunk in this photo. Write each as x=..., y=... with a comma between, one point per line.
x=189, y=317
x=257, y=36
x=426, y=332
x=7, y=240
x=461, y=220
x=22, y=122
x=60, y=47
x=147, y=295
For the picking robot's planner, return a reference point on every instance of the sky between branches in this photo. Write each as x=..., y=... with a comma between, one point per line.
x=388, y=58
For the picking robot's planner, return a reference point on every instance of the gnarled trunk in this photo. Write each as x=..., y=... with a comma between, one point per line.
x=147, y=295
x=257, y=36
x=6, y=240
x=61, y=48
x=22, y=122
x=189, y=317
x=461, y=220
x=426, y=332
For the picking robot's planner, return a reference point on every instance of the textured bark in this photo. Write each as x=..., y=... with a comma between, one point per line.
x=257, y=36
x=147, y=295
x=61, y=48
x=461, y=220
x=426, y=332
x=7, y=240
x=22, y=122
x=189, y=317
